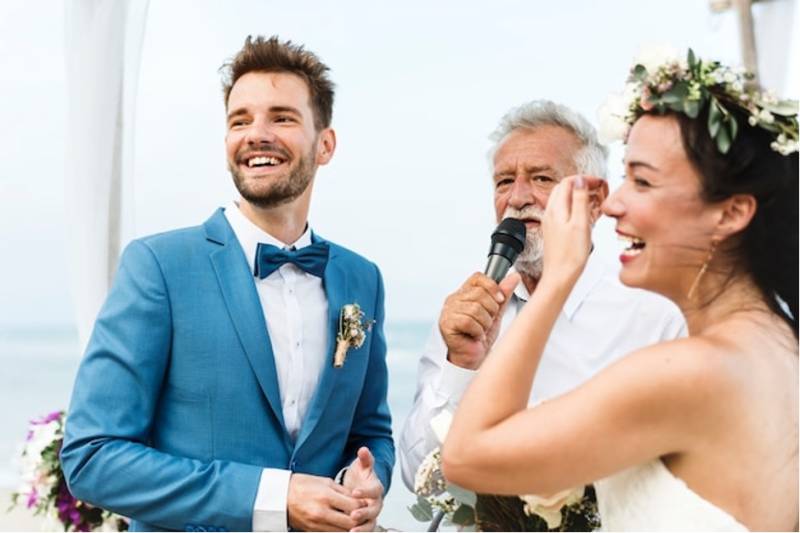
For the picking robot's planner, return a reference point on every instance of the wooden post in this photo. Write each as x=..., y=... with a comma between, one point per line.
x=747, y=37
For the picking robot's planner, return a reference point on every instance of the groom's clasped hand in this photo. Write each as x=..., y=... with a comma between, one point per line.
x=317, y=503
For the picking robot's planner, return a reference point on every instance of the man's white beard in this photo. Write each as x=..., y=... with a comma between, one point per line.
x=531, y=261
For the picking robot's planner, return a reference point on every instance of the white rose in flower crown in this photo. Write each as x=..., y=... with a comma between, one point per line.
x=612, y=116
x=653, y=56
x=611, y=126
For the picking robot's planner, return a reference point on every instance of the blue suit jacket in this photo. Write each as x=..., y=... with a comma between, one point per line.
x=176, y=407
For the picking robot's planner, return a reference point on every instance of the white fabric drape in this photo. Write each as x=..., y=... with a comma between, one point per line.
x=103, y=48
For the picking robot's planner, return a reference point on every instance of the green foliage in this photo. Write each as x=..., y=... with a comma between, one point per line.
x=464, y=516
x=639, y=73
x=464, y=496
x=422, y=510
x=688, y=87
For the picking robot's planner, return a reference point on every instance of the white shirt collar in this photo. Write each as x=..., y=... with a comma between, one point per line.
x=249, y=235
x=591, y=275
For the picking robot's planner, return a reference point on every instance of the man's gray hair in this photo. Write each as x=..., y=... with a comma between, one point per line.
x=593, y=156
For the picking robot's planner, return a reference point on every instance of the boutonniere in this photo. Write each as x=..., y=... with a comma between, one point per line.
x=352, y=332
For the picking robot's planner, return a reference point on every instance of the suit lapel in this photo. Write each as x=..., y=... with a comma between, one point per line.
x=235, y=279
x=335, y=284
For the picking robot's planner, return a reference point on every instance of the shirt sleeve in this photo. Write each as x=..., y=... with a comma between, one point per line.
x=270, y=512
x=440, y=386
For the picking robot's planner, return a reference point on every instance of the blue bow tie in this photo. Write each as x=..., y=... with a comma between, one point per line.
x=312, y=259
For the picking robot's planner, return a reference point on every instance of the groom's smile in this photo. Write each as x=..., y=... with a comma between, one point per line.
x=257, y=163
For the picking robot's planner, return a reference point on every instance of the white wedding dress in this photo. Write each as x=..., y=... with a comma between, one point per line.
x=649, y=497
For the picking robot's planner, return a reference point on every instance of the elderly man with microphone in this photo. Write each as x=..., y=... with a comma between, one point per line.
x=535, y=146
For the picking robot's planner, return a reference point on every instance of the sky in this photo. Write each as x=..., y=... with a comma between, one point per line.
x=420, y=85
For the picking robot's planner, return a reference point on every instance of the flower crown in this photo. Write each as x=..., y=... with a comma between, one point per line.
x=660, y=81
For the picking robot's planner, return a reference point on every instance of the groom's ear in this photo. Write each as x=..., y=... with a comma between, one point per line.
x=326, y=145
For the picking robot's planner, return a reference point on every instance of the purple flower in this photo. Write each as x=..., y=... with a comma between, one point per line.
x=33, y=497
x=66, y=504
x=54, y=416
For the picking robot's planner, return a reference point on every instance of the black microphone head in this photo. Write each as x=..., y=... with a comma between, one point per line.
x=508, y=241
x=510, y=232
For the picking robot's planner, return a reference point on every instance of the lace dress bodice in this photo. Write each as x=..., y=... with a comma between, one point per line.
x=649, y=497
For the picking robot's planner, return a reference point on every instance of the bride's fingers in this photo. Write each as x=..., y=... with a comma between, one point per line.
x=580, y=202
x=559, y=202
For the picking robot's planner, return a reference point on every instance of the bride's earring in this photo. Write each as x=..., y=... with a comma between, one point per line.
x=703, y=269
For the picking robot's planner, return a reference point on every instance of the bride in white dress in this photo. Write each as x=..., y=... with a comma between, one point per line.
x=696, y=434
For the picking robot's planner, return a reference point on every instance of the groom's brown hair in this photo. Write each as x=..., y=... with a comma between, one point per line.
x=274, y=55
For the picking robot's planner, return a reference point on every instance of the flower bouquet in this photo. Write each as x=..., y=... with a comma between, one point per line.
x=43, y=488
x=437, y=499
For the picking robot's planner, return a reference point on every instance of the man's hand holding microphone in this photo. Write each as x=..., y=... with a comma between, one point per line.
x=471, y=316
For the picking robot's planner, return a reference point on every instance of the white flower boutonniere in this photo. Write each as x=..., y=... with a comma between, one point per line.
x=352, y=332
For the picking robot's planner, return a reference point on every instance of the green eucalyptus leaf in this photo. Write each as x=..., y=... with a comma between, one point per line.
x=691, y=108
x=639, y=72
x=464, y=516
x=677, y=93
x=714, y=117
x=676, y=106
x=774, y=127
x=723, y=139
x=691, y=60
x=733, y=127
x=463, y=495
x=784, y=108
x=424, y=502
x=421, y=512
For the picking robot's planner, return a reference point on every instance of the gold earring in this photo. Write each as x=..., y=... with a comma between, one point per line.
x=696, y=282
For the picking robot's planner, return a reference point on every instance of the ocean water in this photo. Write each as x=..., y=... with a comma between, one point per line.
x=39, y=366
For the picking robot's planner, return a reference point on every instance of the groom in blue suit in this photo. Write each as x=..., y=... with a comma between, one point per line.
x=208, y=398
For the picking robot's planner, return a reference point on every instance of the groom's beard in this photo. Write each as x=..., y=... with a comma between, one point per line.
x=282, y=189
x=531, y=261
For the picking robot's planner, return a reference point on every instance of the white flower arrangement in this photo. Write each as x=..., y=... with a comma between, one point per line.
x=43, y=488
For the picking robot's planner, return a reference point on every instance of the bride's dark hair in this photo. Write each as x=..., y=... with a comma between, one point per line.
x=767, y=249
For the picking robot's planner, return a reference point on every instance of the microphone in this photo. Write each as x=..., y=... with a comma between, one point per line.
x=508, y=241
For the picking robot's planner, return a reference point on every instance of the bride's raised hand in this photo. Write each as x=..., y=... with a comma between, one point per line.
x=567, y=226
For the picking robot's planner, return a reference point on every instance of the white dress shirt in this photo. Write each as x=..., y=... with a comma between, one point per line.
x=296, y=312
x=601, y=321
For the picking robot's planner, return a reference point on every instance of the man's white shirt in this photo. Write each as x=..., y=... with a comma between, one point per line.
x=601, y=321
x=296, y=312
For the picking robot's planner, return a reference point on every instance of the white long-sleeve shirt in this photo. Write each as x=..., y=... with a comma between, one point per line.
x=296, y=312
x=601, y=321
